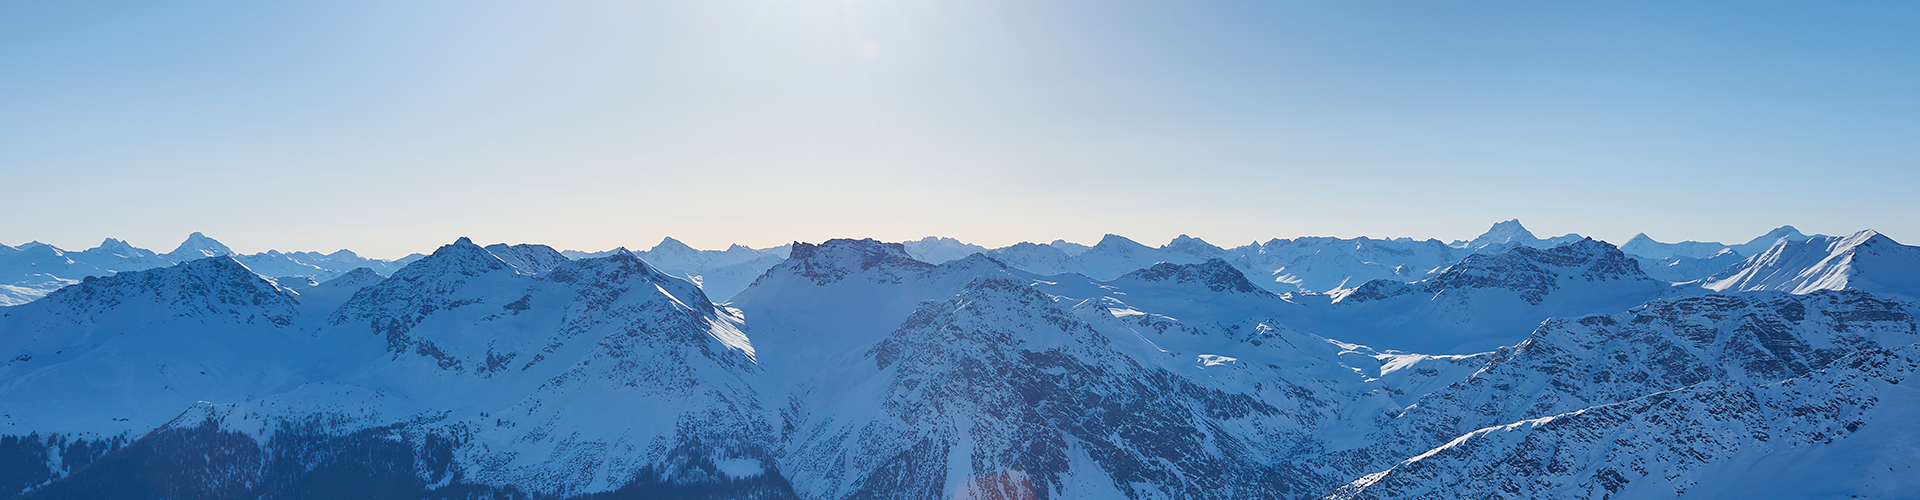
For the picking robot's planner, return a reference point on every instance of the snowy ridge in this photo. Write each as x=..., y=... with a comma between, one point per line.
x=1865, y=260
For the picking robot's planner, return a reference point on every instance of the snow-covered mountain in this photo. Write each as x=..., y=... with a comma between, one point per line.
x=109, y=359
x=198, y=246
x=1486, y=300
x=521, y=371
x=1865, y=260
x=851, y=369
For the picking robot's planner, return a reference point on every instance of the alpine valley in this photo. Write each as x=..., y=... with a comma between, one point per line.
x=1504, y=366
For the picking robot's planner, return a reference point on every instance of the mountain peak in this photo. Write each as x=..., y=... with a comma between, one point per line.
x=1502, y=233
x=672, y=245
x=114, y=245
x=1116, y=241
x=1193, y=246
x=198, y=246
x=462, y=257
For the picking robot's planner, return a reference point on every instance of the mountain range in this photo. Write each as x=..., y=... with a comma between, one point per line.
x=1302, y=265
x=1504, y=366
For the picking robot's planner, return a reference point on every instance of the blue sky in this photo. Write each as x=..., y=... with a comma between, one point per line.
x=393, y=127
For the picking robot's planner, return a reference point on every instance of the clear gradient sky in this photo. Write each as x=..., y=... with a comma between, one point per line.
x=393, y=127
